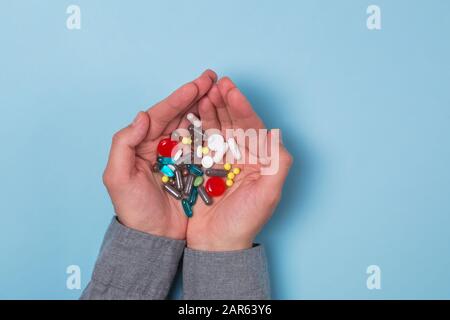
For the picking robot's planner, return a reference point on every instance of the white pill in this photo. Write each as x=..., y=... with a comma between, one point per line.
x=234, y=149
x=219, y=154
x=215, y=142
x=178, y=155
x=194, y=120
x=172, y=167
x=207, y=162
x=197, y=123
x=199, y=151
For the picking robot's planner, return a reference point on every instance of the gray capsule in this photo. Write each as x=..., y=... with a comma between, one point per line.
x=179, y=179
x=205, y=197
x=172, y=191
x=216, y=172
x=189, y=184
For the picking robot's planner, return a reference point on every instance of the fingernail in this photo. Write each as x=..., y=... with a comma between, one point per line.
x=137, y=119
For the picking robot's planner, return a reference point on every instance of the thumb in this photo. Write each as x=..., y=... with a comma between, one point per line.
x=123, y=149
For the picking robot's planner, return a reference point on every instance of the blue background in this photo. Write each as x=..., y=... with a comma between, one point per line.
x=365, y=114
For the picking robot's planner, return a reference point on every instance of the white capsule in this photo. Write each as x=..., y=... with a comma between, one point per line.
x=178, y=155
x=234, y=149
x=194, y=120
x=215, y=142
x=171, y=167
x=207, y=162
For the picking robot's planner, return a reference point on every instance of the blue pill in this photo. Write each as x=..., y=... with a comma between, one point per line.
x=195, y=170
x=165, y=160
x=187, y=208
x=167, y=171
x=193, y=196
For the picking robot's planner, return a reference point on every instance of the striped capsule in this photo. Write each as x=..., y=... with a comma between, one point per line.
x=187, y=208
x=188, y=185
x=179, y=179
x=195, y=170
x=193, y=196
x=205, y=197
x=172, y=191
x=216, y=172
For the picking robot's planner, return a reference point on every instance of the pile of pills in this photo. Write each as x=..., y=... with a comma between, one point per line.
x=183, y=178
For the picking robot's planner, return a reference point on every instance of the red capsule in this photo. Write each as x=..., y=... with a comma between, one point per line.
x=215, y=186
x=166, y=146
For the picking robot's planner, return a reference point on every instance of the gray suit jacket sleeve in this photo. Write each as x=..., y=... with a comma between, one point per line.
x=226, y=275
x=134, y=265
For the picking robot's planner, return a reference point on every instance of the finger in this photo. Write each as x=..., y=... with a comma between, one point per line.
x=122, y=156
x=239, y=108
x=216, y=95
x=274, y=174
x=171, y=108
x=208, y=114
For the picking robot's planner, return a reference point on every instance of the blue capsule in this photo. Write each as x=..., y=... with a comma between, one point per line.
x=165, y=160
x=187, y=208
x=167, y=171
x=195, y=170
x=193, y=196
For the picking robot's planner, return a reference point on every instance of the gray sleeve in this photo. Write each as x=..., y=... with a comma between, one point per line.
x=239, y=275
x=133, y=265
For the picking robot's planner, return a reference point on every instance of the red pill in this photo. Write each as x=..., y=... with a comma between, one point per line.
x=166, y=146
x=215, y=186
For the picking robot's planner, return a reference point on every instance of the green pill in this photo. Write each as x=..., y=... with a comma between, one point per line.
x=198, y=181
x=187, y=208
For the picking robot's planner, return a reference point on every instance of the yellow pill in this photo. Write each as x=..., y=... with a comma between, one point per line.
x=236, y=170
x=230, y=175
x=165, y=179
x=186, y=140
x=227, y=166
x=205, y=150
x=229, y=182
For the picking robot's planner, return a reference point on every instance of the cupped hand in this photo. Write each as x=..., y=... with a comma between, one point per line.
x=234, y=219
x=136, y=193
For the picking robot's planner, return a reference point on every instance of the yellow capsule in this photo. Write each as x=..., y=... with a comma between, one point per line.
x=230, y=175
x=229, y=182
x=186, y=140
x=236, y=171
x=205, y=150
x=227, y=166
x=165, y=179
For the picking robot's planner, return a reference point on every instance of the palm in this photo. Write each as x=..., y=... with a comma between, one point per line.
x=248, y=203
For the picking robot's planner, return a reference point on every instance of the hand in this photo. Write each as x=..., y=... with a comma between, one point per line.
x=136, y=193
x=233, y=220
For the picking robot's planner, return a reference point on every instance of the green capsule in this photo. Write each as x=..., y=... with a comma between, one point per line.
x=193, y=197
x=165, y=160
x=195, y=170
x=187, y=208
x=198, y=181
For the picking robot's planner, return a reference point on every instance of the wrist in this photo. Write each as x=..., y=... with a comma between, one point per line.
x=219, y=246
x=160, y=231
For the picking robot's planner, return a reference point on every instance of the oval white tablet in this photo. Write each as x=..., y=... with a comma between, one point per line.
x=207, y=162
x=234, y=149
x=178, y=155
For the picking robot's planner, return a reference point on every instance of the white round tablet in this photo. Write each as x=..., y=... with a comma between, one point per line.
x=207, y=162
x=215, y=142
